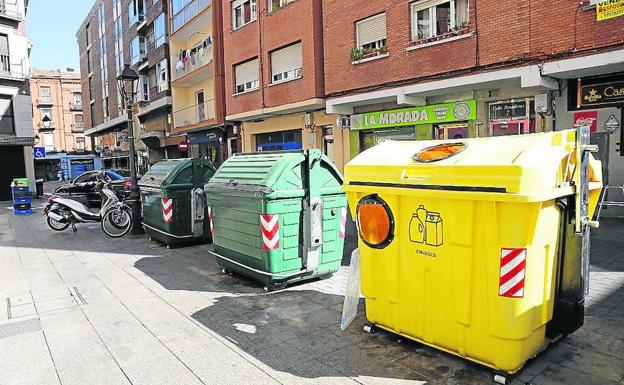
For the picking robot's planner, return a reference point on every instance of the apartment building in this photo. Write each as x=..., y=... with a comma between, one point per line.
x=59, y=124
x=274, y=82
x=197, y=72
x=448, y=69
x=134, y=32
x=16, y=126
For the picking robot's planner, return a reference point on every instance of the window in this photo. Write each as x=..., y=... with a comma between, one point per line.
x=159, y=31
x=136, y=11
x=78, y=119
x=45, y=92
x=435, y=18
x=88, y=34
x=46, y=112
x=93, y=124
x=48, y=141
x=144, y=85
x=243, y=12
x=371, y=33
x=274, y=5
x=5, y=59
x=247, y=76
x=78, y=98
x=91, y=90
x=89, y=61
x=286, y=64
x=80, y=144
x=162, y=76
x=138, y=50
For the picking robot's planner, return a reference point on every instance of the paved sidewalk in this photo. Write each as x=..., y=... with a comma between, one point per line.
x=80, y=308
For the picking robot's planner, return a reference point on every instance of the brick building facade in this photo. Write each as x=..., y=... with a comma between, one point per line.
x=274, y=79
x=115, y=33
x=486, y=69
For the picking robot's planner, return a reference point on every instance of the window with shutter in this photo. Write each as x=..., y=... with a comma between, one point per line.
x=371, y=32
x=433, y=18
x=286, y=64
x=247, y=76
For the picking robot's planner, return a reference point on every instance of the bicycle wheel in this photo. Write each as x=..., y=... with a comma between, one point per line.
x=111, y=223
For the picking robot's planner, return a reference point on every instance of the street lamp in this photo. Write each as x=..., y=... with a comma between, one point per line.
x=127, y=83
x=46, y=122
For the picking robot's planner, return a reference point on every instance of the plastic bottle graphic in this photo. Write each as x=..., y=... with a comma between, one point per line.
x=418, y=229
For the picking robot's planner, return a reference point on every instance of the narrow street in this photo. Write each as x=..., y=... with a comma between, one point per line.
x=80, y=308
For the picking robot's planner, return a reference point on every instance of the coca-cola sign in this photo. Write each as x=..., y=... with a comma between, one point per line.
x=586, y=118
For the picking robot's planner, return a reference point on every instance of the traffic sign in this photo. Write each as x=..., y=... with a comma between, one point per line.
x=39, y=152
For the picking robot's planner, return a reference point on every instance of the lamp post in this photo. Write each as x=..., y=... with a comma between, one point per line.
x=126, y=84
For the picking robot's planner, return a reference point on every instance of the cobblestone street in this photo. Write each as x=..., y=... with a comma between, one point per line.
x=80, y=308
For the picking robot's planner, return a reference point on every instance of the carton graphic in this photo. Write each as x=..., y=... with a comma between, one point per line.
x=426, y=227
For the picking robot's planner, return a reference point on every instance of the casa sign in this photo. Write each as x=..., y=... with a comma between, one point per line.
x=437, y=113
x=597, y=94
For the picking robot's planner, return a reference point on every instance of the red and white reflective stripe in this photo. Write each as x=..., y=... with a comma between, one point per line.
x=210, y=221
x=167, y=207
x=512, y=273
x=270, y=232
x=343, y=223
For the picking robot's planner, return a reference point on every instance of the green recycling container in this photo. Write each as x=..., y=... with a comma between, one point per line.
x=174, y=202
x=278, y=217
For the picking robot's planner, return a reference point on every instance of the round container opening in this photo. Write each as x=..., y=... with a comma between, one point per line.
x=439, y=152
x=375, y=222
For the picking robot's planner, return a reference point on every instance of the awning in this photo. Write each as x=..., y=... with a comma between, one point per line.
x=116, y=124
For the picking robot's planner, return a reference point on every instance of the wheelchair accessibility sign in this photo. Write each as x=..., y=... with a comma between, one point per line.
x=39, y=152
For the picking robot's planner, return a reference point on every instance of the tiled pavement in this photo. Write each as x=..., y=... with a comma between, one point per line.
x=80, y=308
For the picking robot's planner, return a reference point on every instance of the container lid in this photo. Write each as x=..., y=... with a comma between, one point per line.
x=275, y=174
x=177, y=172
x=521, y=164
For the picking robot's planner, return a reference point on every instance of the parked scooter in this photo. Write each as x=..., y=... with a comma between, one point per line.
x=114, y=215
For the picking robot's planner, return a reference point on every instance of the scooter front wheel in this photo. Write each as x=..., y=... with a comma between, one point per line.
x=56, y=225
x=112, y=220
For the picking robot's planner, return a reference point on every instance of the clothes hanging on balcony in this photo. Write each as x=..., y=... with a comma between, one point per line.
x=190, y=54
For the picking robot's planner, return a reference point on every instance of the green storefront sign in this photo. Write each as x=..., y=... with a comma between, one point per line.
x=437, y=113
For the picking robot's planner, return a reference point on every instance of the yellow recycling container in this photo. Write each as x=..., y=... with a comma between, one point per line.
x=462, y=243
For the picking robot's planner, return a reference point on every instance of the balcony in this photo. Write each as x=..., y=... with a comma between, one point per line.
x=78, y=128
x=45, y=101
x=8, y=11
x=75, y=106
x=11, y=72
x=186, y=14
x=193, y=115
x=196, y=69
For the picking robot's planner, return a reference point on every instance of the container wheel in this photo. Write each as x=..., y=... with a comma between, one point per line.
x=369, y=328
x=225, y=272
x=275, y=287
x=502, y=378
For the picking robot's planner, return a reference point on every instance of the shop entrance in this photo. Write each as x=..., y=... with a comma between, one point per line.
x=452, y=131
x=512, y=117
x=12, y=160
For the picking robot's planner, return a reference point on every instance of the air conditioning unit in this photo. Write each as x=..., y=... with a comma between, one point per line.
x=308, y=120
x=163, y=87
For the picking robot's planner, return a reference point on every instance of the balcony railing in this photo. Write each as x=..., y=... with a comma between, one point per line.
x=194, y=114
x=189, y=11
x=6, y=11
x=195, y=62
x=8, y=71
x=78, y=127
x=44, y=100
x=75, y=106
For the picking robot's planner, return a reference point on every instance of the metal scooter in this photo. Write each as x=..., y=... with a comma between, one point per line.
x=114, y=215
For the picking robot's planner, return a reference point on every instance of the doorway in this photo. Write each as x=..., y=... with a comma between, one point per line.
x=12, y=160
x=201, y=110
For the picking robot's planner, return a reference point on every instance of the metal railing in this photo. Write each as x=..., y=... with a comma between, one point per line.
x=194, y=114
x=78, y=127
x=189, y=11
x=6, y=11
x=8, y=71
x=194, y=63
x=44, y=100
x=75, y=106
